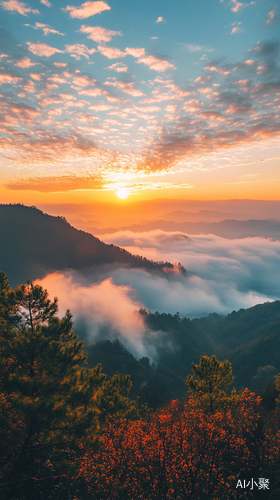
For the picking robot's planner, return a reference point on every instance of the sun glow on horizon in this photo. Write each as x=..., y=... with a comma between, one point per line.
x=123, y=193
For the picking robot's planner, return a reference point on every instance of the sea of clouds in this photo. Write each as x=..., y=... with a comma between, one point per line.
x=222, y=275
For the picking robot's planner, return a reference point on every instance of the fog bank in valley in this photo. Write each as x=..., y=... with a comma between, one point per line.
x=223, y=275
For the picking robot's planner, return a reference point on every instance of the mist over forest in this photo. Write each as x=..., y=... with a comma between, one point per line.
x=152, y=309
x=139, y=250
x=183, y=296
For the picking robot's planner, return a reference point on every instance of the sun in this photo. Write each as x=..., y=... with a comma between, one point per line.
x=123, y=193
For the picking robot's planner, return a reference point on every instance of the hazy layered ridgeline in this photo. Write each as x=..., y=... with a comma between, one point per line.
x=145, y=304
x=258, y=216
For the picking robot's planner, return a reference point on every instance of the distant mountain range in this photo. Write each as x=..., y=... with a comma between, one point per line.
x=33, y=244
x=228, y=228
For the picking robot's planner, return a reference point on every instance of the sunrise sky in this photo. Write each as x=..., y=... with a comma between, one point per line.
x=146, y=99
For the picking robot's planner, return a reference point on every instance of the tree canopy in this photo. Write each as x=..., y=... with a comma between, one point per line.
x=210, y=382
x=49, y=397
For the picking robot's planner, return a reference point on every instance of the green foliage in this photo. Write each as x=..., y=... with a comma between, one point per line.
x=248, y=338
x=48, y=400
x=68, y=432
x=213, y=379
x=152, y=384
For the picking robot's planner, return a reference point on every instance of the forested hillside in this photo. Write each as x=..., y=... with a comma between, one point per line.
x=67, y=432
x=249, y=339
x=34, y=244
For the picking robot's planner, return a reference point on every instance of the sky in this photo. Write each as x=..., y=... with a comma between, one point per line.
x=139, y=100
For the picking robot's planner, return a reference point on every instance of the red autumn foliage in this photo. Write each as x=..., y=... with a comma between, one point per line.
x=181, y=453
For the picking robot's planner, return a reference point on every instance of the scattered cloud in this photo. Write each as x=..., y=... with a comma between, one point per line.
x=221, y=71
x=135, y=52
x=127, y=87
x=46, y=2
x=196, y=48
x=111, y=52
x=58, y=183
x=99, y=34
x=20, y=7
x=163, y=125
x=272, y=18
x=6, y=78
x=60, y=64
x=155, y=63
x=46, y=29
x=25, y=63
x=87, y=9
x=236, y=29
x=79, y=49
x=118, y=67
x=41, y=49
x=159, y=20
x=237, y=5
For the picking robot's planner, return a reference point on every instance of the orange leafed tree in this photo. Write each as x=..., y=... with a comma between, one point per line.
x=180, y=453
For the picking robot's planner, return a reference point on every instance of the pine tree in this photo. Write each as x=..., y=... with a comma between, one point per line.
x=48, y=400
x=210, y=382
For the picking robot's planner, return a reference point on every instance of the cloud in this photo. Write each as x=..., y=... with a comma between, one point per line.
x=237, y=5
x=159, y=20
x=46, y=29
x=20, y=7
x=42, y=49
x=272, y=18
x=105, y=309
x=87, y=9
x=155, y=63
x=111, y=52
x=236, y=29
x=135, y=52
x=196, y=48
x=25, y=63
x=58, y=183
x=46, y=2
x=6, y=78
x=268, y=49
x=221, y=71
x=54, y=149
x=247, y=97
x=212, y=115
x=23, y=113
x=99, y=34
x=223, y=275
x=60, y=64
x=101, y=107
x=118, y=67
x=80, y=49
x=127, y=87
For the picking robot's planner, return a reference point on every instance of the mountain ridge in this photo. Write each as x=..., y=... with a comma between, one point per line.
x=34, y=244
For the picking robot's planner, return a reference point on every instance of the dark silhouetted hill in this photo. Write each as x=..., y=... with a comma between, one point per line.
x=33, y=244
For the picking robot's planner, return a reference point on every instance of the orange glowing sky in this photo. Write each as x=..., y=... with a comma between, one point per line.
x=164, y=100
